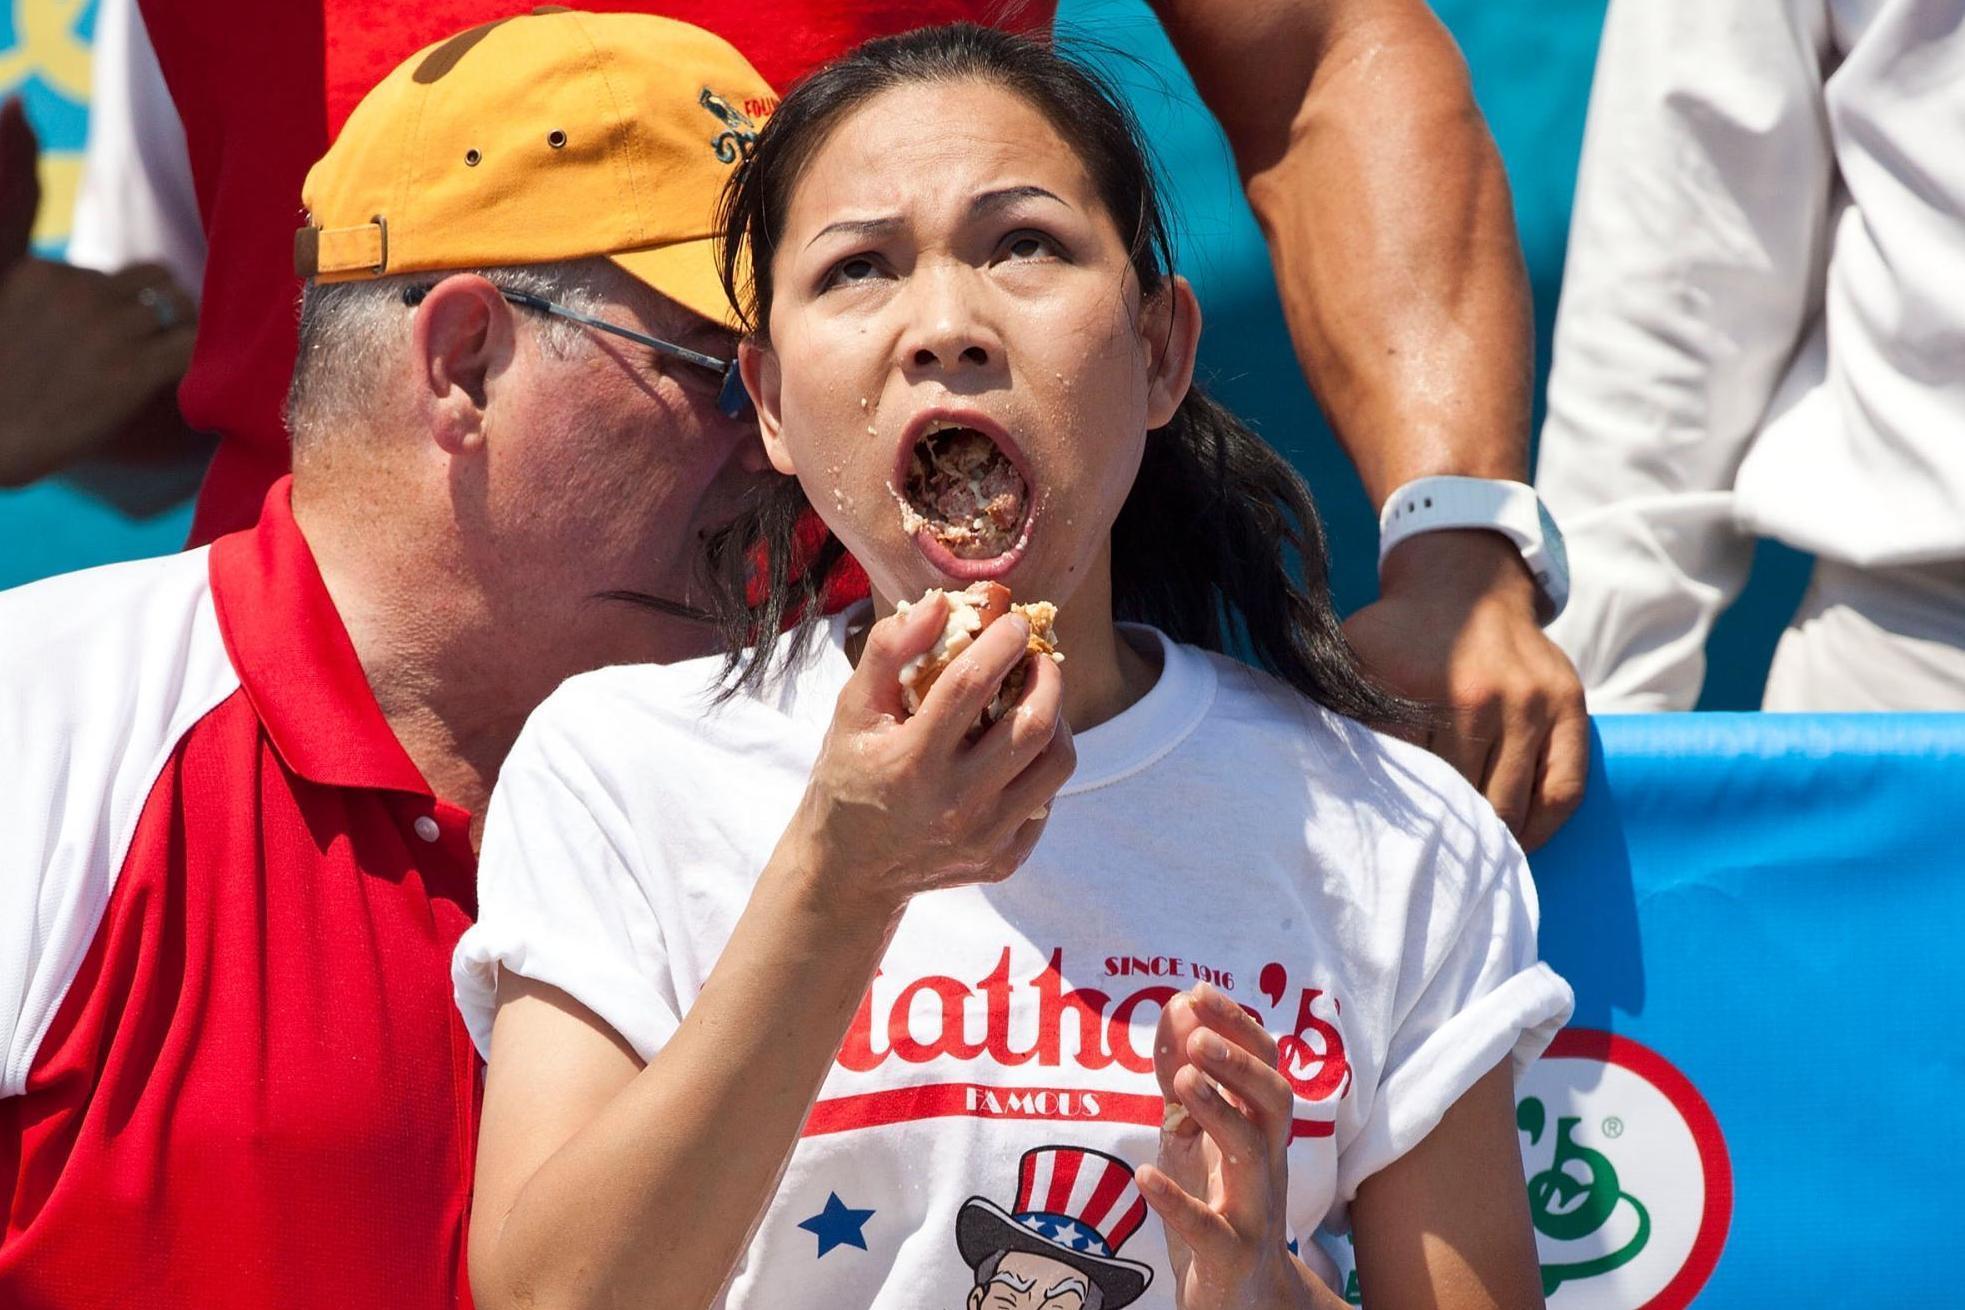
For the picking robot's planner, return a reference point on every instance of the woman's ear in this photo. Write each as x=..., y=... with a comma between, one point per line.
x=759, y=367
x=463, y=337
x=1170, y=326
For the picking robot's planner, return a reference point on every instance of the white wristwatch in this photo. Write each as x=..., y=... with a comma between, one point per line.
x=1509, y=508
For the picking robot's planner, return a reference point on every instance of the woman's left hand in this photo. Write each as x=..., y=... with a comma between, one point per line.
x=1223, y=1173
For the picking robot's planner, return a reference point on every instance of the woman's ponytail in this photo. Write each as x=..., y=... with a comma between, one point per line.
x=1219, y=545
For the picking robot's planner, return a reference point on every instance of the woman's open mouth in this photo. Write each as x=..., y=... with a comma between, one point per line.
x=963, y=496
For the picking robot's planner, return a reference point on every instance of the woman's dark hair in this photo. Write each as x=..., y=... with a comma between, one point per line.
x=1203, y=544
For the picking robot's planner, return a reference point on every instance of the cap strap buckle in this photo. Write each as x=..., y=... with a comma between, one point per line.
x=323, y=252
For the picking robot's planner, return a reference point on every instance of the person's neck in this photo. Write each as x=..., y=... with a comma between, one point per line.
x=455, y=706
x=455, y=660
x=1104, y=674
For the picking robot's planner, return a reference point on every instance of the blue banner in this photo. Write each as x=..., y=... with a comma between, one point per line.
x=1754, y=1105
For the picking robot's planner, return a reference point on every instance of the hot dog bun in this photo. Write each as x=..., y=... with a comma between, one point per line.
x=969, y=612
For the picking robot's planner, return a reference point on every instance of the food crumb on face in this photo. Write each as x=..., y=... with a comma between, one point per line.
x=911, y=522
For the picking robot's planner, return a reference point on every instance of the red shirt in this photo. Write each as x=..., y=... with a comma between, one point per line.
x=233, y=1072
x=262, y=88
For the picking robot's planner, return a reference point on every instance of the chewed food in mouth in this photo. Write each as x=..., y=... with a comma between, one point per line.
x=964, y=491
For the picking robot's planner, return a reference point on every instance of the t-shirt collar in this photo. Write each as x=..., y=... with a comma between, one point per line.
x=295, y=660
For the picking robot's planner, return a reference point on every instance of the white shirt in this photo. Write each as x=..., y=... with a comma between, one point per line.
x=137, y=202
x=1762, y=327
x=1351, y=889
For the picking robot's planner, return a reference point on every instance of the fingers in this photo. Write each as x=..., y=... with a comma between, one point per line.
x=1467, y=738
x=127, y=282
x=20, y=187
x=1565, y=770
x=1192, y=1220
x=1249, y=1156
x=1013, y=742
x=1030, y=794
x=150, y=301
x=1255, y=1088
x=1513, y=765
x=164, y=356
x=956, y=702
x=1219, y=1011
x=874, y=691
x=1178, y=1022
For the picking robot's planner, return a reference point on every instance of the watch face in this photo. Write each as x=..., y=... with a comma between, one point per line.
x=1552, y=542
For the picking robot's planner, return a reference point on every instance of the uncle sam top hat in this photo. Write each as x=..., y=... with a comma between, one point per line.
x=1074, y=1205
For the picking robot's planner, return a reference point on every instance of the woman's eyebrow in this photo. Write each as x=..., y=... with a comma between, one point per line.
x=859, y=227
x=1004, y=197
x=986, y=203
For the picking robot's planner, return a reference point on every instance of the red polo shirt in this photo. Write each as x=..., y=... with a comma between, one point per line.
x=233, y=1072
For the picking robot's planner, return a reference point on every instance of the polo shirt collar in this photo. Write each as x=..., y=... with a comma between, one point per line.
x=295, y=660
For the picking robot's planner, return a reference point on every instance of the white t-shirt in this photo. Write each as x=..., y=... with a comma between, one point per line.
x=997, y=1085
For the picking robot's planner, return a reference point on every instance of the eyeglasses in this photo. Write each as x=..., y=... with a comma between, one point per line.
x=731, y=398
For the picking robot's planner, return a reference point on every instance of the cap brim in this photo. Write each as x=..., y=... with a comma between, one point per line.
x=686, y=273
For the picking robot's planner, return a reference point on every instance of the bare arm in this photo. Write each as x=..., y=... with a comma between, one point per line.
x=1446, y=1225
x=600, y=1183
x=1388, y=220
x=1389, y=224
x=598, y=1180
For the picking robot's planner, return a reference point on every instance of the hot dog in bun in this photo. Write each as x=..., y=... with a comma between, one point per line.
x=969, y=612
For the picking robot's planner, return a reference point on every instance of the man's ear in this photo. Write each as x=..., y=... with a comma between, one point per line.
x=759, y=367
x=1170, y=328
x=463, y=337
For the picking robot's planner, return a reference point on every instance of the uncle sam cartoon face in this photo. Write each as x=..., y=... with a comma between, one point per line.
x=1057, y=1248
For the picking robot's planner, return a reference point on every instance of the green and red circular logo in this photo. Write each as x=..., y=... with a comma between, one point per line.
x=1628, y=1179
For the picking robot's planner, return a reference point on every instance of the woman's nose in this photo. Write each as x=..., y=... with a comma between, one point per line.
x=948, y=334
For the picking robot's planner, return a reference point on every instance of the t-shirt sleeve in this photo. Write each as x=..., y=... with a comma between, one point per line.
x=1472, y=991
x=561, y=896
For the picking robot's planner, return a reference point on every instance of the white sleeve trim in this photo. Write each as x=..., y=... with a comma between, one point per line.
x=621, y=998
x=1518, y=1018
x=562, y=884
x=102, y=673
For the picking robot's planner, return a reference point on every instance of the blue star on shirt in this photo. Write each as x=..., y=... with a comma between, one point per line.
x=838, y=1224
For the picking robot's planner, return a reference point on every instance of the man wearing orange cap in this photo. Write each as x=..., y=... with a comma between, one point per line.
x=242, y=780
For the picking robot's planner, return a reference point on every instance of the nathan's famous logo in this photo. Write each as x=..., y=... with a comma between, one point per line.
x=1576, y=1197
x=938, y=1016
x=740, y=129
x=1628, y=1181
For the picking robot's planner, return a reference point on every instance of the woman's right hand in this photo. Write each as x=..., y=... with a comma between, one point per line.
x=901, y=804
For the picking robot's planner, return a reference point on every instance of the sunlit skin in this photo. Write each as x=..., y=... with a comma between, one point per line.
x=979, y=270
x=499, y=488
x=946, y=247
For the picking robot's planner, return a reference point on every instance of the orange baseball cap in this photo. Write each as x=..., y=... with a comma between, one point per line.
x=552, y=136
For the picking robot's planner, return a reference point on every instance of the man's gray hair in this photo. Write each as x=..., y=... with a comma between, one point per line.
x=348, y=328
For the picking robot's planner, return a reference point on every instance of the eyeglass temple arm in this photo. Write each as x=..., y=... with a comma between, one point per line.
x=531, y=301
